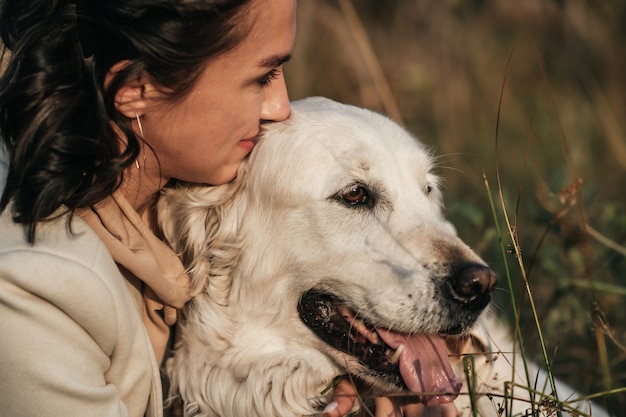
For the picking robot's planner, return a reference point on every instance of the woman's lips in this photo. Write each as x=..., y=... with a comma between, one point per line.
x=247, y=144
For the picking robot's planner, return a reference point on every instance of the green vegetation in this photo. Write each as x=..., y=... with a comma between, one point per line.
x=531, y=94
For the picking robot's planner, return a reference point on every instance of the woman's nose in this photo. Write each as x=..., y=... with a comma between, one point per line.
x=276, y=105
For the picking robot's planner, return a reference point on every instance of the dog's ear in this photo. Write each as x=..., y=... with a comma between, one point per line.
x=202, y=224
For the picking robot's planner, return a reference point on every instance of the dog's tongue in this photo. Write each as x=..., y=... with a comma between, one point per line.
x=424, y=366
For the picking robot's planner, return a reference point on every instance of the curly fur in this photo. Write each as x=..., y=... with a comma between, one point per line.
x=202, y=226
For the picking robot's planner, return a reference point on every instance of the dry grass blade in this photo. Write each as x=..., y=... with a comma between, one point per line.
x=365, y=46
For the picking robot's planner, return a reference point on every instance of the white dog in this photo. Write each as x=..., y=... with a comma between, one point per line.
x=328, y=255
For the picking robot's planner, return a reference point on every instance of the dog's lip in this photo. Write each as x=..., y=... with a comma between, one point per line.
x=320, y=313
x=418, y=363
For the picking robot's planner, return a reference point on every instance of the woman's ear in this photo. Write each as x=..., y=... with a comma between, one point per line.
x=134, y=97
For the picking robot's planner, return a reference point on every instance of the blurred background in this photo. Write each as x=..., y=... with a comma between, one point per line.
x=530, y=92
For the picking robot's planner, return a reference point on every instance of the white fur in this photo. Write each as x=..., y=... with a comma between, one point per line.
x=504, y=381
x=255, y=245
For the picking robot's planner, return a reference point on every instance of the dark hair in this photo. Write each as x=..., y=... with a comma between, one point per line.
x=55, y=115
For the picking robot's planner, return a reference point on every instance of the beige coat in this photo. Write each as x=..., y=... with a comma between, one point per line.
x=71, y=336
x=77, y=337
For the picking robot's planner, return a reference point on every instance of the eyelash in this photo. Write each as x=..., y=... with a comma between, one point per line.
x=269, y=77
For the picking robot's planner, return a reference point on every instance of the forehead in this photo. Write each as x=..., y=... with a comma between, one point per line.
x=271, y=31
x=269, y=40
x=357, y=136
x=334, y=144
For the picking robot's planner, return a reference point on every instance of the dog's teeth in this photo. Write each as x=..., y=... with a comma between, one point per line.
x=359, y=325
x=373, y=337
x=395, y=357
x=345, y=312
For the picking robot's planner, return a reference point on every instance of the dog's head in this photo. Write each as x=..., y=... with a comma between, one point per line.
x=335, y=226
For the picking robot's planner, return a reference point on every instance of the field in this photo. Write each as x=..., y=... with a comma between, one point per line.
x=528, y=94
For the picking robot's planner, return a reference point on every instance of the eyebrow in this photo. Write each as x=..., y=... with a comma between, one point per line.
x=274, y=61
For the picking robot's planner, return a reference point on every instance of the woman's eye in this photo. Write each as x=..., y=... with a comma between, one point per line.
x=269, y=77
x=357, y=195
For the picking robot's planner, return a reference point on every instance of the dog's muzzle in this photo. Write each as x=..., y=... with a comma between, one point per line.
x=417, y=363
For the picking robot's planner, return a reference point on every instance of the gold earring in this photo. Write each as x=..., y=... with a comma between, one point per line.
x=143, y=143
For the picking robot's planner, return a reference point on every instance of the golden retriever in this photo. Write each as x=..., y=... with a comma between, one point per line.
x=328, y=255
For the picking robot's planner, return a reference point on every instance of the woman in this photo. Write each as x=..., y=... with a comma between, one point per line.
x=101, y=104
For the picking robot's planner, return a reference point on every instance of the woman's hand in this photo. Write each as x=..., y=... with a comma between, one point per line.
x=387, y=407
x=343, y=400
x=345, y=396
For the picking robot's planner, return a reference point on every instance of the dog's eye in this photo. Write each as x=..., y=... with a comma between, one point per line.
x=428, y=189
x=357, y=195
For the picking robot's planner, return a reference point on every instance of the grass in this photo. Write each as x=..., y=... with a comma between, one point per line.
x=527, y=96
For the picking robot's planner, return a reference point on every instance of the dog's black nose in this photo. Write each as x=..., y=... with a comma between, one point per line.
x=472, y=284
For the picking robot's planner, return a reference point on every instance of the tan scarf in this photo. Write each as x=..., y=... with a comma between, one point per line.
x=154, y=273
